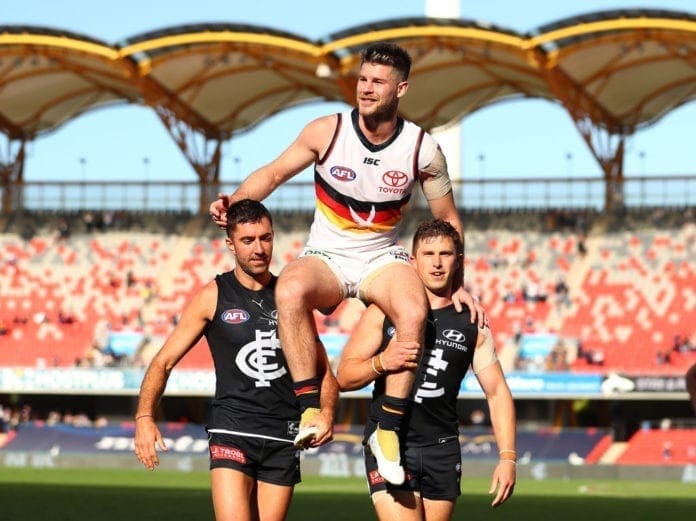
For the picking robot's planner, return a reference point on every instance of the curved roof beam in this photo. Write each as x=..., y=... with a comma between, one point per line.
x=614, y=72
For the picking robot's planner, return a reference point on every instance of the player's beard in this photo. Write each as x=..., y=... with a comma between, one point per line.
x=381, y=113
x=253, y=266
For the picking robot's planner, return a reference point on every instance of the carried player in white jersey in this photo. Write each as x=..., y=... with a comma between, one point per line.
x=367, y=162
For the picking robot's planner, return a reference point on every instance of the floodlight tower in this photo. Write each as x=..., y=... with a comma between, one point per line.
x=450, y=138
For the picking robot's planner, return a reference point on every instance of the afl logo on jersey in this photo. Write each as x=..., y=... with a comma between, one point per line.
x=235, y=316
x=342, y=173
x=391, y=331
x=394, y=178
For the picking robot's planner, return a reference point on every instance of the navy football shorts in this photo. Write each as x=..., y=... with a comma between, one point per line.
x=271, y=461
x=434, y=470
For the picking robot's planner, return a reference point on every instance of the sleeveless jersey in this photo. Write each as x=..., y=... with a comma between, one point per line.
x=362, y=189
x=431, y=416
x=254, y=393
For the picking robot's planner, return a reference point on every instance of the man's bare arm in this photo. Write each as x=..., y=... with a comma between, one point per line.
x=328, y=396
x=360, y=364
x=502, y=411
x=185, y=335
x=309, y=145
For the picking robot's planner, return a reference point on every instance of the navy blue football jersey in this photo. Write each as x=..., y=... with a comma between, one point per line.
x=431, y=416
x=254, y=391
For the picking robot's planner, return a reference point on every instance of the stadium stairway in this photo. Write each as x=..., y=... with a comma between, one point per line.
x=613, y=453
x=660, y=447
x=578, y=270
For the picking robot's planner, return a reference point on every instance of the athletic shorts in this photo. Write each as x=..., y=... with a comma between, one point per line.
x=352, y=271
x=267, y=460
x=435, y=471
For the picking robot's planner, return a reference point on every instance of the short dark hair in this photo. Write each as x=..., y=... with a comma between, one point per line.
x=385, y=53
x=246, y=211
x=437, y=228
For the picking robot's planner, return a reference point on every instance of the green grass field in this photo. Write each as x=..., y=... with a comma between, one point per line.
x=120, y=495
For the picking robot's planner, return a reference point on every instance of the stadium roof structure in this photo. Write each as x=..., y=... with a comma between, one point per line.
x=614, y=72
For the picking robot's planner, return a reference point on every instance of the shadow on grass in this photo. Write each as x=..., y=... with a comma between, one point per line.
x=358, y=507
x=29, y=502
x=41, y=502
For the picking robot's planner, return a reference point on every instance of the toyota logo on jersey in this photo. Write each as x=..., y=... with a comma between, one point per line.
x=394, y=178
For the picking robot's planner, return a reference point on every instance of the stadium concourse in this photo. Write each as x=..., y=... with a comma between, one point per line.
x=593, y=314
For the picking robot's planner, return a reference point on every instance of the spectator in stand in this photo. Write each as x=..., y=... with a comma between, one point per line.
x=663, y=357
x=597, y=357
x=682, y=344
x=4, y=420
x=88, y=221
x=63, y=229
x=65, y=316
x=562, y=293
x=582, y=247
x=107, y=220
x=130, y=279
x=691, y=384
x=4, y=328
x=517, y=332
x=557, y=358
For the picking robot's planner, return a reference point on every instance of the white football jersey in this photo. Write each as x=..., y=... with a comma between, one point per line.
x=362, y=189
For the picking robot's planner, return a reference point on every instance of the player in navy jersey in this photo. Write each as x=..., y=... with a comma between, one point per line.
x=255, y=413
x=430, y=450
x=367, y=162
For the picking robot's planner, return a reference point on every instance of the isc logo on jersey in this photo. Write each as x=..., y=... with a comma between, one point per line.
x=342, y=173
x=235, y=316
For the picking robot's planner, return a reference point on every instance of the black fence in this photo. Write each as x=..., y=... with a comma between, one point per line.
x=470, y=194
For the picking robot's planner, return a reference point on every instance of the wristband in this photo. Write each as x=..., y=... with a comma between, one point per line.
x=143, y=416
x=372, y=361
x=514, y=462
x=508, y=450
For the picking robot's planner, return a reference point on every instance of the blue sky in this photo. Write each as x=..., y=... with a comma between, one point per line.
x=530, y=138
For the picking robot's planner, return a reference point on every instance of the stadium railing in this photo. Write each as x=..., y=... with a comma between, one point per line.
x=674, y=191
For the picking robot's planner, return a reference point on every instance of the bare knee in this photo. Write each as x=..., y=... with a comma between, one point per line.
x=290, y=291
x=306, y=284
x=410, y=317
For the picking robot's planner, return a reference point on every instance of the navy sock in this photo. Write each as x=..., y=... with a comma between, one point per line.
x=307, y=393
x=392, y=412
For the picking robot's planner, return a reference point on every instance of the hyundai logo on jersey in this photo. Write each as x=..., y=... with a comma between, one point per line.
x=453, y=335
x=235, y=316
